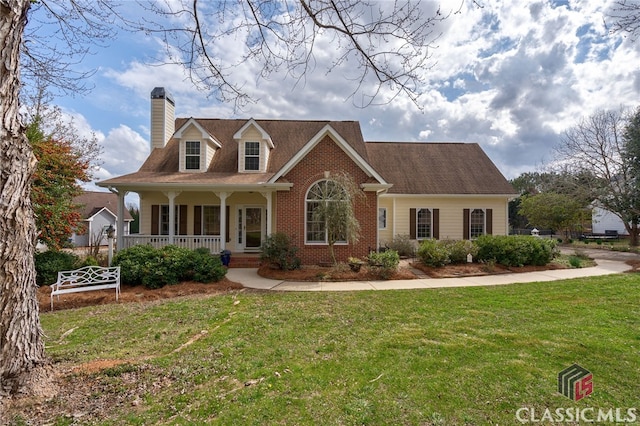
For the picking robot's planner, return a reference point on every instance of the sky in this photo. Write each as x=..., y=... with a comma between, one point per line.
x=511, y=76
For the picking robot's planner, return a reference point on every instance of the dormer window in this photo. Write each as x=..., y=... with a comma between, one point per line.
x=192, y=155
x=252, y=156
x=254, y=146
x=197, y=147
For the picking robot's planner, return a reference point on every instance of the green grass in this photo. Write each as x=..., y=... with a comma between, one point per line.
x=444, y=356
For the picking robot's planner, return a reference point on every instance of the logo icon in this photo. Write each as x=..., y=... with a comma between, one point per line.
x=575, y=382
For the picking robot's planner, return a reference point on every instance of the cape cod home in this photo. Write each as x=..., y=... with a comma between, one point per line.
x=228, y=183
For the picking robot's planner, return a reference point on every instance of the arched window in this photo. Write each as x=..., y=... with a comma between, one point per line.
x=318, y=206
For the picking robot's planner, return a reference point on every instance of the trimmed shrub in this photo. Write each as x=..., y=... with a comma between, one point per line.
x=155, y=268
x=459, y=249
x=135, y=262
x=516, y=250
x=431, y=253
x=50, y=262
x=385, y=263
x=207, y=267
x=278, y=252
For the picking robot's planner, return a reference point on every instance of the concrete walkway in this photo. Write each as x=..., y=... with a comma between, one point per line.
x=249, y=278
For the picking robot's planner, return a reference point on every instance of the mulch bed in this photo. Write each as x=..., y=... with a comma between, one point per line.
x=130, y=294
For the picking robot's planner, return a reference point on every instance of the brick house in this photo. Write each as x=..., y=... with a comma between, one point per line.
x=228, y=183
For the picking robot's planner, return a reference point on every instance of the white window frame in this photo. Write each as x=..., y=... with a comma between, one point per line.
x=307, y=219
x=382, y=218
x=418, y=235
x=472, y=224
x=189, y=155
x=202, y=219
x=251, y=156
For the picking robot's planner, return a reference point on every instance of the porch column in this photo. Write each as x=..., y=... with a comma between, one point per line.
x=119, y=218
x=269, y=196
x=172, y=215
x=120, y=221
x=223, y=218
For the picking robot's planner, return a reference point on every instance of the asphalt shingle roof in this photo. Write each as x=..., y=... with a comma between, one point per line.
x=412, y=168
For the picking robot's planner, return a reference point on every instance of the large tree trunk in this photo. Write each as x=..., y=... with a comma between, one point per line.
x=633, y=234
x=23, y=365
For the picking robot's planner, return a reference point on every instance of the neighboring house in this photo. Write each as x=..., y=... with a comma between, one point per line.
x=603, y=220
x=98, y=212
x=228, y=183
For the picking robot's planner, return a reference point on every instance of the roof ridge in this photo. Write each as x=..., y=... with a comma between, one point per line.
x=270, y=119
x=426, y=142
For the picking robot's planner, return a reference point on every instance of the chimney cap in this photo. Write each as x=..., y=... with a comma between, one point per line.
x=161, y=93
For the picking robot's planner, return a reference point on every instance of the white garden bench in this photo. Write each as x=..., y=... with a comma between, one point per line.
x=86, y=279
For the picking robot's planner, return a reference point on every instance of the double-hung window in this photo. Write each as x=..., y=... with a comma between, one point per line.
x=192, y=155
x=252, y=156
x=423, y=224
x=476, y=223
x=210, y=220
x=382, y=218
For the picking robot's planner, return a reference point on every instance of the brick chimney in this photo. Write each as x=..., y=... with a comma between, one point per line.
x=162, y=117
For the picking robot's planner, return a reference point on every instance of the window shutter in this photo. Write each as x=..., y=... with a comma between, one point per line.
x=155, y=219
x=227, y=236
x=489, y=221
x=436, y=224
x=197, y=220
x=465, y=224
x=412, y=224
x=182, y=228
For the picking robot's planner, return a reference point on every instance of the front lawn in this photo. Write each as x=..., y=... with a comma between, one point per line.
x=443, y=356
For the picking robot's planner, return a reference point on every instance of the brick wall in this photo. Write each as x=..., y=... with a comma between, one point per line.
x=290, y=206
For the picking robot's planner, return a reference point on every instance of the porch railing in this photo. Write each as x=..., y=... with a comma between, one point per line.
x=212, y=242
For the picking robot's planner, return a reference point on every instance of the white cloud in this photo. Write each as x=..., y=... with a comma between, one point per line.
x=124, y=151
x=509, y=76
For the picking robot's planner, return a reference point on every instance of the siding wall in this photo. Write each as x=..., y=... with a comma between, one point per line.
x=206, y=150
x=451, y=211
x=251, y=134
x=162, y=122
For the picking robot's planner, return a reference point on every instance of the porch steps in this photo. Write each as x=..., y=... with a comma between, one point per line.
x=244, y=260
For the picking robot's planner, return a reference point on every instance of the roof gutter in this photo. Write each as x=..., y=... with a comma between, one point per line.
x=135, y=187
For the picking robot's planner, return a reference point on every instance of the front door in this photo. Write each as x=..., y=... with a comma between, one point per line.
x=252, y=229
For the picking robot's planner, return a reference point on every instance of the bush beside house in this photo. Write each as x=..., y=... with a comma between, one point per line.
x=155, y=268
x=513, y=250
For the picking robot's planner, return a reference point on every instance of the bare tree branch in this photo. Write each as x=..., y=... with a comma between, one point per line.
x=60, y=34
x=626, y=18
x=390, y=42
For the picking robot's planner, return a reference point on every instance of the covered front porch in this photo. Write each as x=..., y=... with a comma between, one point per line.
x=236, y=220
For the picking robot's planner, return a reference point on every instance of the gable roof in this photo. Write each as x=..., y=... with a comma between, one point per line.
x=437, y=168
x=343, y=144
x=264, y=135
x=288, y=136
x=410, y=167
x=205, y=135
x=93, y=202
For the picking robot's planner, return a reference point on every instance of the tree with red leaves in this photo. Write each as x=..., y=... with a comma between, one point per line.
x=55, y=183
